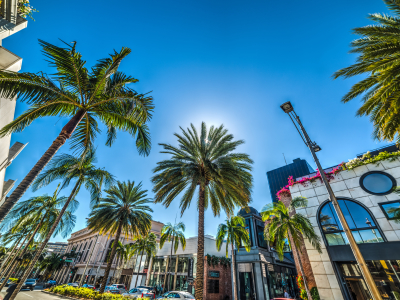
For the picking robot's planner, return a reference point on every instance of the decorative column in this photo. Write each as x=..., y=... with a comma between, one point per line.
x=166, y=274
x=176, y=271
x=286, y=198
x=149, y=271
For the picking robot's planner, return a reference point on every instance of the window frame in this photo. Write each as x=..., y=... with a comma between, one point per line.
x=323, y=233
x=384, y=211
x=394, y=182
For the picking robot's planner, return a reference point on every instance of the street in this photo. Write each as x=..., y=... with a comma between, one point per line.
x=33, y=295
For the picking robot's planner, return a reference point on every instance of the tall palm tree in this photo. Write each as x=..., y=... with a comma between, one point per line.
x=51, y=263
x=44, y=211
x=124, y=209
x=144, y=245
x=205, y=163
x=234, y=233
x=282, y=224
x=128, y=254
x=174, y=233
x=68, y=168
x=378, y=60
x=85, y=96
x=120, y=254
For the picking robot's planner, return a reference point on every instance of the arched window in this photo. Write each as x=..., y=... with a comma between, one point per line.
x=360, y=222
x=108, y=251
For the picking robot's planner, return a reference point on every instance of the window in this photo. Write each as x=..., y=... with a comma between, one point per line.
x=359, y=220
x=377, y=183
x=391, y=209
x=213, y=286
x=248, y=229
x=260, y=237
x=183, y=264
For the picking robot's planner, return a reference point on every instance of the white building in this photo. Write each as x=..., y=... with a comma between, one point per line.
x=10, y=23
x=365, y=195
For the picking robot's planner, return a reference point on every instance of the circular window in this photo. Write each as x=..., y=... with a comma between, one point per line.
x=377, y=183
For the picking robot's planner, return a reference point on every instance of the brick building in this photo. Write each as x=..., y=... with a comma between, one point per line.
x=217, y=282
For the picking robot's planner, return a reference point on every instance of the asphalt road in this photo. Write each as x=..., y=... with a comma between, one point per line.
x=33, y=295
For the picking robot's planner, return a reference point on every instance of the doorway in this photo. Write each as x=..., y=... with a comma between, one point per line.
x=246, y=282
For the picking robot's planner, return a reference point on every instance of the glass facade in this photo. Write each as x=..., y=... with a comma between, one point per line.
x=386, y=274
x=360, y=222
x=390, y=209
x=278, y=178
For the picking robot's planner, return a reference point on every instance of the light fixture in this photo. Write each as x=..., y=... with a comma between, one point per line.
x=287, y=107
x=316, y=148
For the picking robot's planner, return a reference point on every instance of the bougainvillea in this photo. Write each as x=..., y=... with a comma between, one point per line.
x=300, y=284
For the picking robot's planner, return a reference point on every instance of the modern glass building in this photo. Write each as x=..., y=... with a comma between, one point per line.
x=278, y=178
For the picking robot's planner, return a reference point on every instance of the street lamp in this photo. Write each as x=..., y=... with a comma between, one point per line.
x=288, y=108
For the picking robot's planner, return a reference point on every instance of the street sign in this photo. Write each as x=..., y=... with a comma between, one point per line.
x=64, y=258
x=68, y=260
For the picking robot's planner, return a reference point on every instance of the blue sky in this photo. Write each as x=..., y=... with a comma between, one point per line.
x=222, y=62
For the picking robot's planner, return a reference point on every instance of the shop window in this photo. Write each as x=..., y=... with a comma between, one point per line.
x=183, y=264
x=377, y=183
x=260, y=237
x=359, y=220
x=391, y=209
x=213, y=286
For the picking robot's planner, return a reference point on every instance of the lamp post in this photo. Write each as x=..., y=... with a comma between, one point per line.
x=288, y=108
x=90, y=256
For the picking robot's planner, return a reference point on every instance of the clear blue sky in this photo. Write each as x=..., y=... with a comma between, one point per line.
x=222, y=62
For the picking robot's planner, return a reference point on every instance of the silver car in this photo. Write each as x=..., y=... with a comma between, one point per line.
x=179, y=295
x=139, y=293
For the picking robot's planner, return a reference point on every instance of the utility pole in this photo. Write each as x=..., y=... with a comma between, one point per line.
x=288, y=108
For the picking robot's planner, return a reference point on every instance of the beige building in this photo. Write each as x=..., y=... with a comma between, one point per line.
x=10, y=23
x=57, y=247
x=93, y=250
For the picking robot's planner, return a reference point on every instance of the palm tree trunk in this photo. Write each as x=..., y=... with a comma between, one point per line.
x=235, y=292
x=44, y=243
x=7, y=262
x=303, y=274
x=169, y=266
x=65, y=134
x=200, y=249
x=137, y=276
x=21, y=255
x=112, y=255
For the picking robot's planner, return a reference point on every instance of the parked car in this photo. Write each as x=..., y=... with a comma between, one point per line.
x=119, y=286
x=150, y=288
x=30, y=283
x=179, y=295
x=9, y=282
x=114, y=290
x=73, y=284
x=162, y=296
x=139, y=292
x=50, y=283
x=89, y=286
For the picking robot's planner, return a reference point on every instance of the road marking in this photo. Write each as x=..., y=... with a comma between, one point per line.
x=27, y=295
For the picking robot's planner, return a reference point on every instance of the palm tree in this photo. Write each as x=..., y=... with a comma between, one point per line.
x=128, y=253
x=378, y=60
x=206, y=161
x=44, y=211
x=123, y=210
x=121, y=255
x=84, y=95
x=144, y=245
x=69, y=168
x=174, y=233
x=234, y=233
x=51, y=263
x=283, y=223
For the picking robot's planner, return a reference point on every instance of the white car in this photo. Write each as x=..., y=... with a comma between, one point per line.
x=179, y=295
x=141, y=293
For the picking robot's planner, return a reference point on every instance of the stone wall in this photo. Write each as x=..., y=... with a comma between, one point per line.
x=225, y=282
x=345, y=184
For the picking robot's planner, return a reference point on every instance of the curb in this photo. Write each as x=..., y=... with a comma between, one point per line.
x=63, y=296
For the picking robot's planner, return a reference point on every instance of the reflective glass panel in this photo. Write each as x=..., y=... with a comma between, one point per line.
x=327, y=219
x=371, y=236
x=388, y=206
x=377, y=183
x=357, y=237
x=334, y=239
x=260, y=237
x=346, y=214
x=359, y=215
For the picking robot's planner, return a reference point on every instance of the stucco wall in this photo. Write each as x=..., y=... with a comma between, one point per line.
x=345, y=184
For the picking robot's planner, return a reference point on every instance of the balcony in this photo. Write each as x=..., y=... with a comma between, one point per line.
x=10, y=21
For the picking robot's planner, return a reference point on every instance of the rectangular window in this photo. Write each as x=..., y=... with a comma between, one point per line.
x=260, y=237
x=213, y=286
x=389, y=208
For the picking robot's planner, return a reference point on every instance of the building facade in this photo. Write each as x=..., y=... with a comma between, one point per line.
x=11, y=23
x=92, y=250
x=57, y=247
x=365, y=195
x=278, y=178
x=260, y=274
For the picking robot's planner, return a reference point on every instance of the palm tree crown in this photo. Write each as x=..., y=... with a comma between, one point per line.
x=174, y=233
x=379, y=60
x=233, y=232
x=206, y=162
x=124, y=209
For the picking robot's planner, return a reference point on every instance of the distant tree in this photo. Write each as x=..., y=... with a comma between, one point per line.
x=234, y=233
x=124, y=209
x=174, y=233
x=144, y=245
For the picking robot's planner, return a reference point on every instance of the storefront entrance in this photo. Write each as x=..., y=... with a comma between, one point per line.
x=386, y=274
x=246, y=282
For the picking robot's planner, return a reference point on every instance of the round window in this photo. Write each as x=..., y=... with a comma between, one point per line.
x=377, y=183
